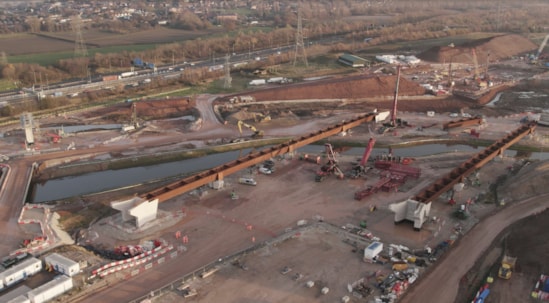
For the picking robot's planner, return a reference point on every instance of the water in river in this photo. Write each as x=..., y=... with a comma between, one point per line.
x=105, y=180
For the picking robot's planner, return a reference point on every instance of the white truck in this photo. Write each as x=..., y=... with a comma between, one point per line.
x=276, y=80
x=257, y=82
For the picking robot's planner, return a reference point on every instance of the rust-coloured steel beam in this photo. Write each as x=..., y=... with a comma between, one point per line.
x=462, y=123
x=218, y=173
x=457, y=175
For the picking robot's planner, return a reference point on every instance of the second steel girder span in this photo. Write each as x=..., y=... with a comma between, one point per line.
x=462, y=123
x=458, y=174
x=219, y=172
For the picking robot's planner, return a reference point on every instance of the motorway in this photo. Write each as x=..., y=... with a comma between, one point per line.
x=96, y=82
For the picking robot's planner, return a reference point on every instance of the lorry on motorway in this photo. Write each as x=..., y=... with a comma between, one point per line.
x=110, y=78
x=138, y=62
x=258, y=82
x=127, y=74
x=507, y=266
x=275, y=80
x=279, y=80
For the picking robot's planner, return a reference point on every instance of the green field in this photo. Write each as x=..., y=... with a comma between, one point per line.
x=6, y=84
x=52, y=58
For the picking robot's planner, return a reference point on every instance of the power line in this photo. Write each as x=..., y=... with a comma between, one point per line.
x=299, y=45
x=79, y=45
x=227, y=68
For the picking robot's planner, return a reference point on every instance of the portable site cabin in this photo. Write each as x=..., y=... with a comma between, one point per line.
x=372, y=251
x=62, y=264
x=52, y=289
x=20, y=272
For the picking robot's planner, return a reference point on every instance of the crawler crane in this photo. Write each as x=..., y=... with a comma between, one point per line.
x=535, y=58
x=330, y=167
x=395, y=122
x=475, y=63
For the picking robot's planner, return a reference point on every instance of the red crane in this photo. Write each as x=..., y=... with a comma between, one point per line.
x=367, y=151
x=54, y=137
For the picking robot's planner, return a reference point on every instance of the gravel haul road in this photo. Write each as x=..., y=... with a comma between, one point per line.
x=441, y=284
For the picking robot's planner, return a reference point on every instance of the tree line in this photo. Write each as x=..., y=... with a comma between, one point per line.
x=402, y=21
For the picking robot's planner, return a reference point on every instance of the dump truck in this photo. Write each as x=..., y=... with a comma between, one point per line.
x=507, y=267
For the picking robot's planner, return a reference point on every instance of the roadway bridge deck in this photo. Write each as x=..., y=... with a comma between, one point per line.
x=218, y=173
x=458, y=174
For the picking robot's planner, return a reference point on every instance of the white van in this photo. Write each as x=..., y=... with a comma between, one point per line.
x=247, y=181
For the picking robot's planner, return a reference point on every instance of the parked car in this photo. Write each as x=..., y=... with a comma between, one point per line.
x=269, y=163
x=247, y=181
x=265, y=170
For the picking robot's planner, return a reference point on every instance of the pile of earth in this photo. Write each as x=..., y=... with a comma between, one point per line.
x=145, y=110
x=352, y=87
x=492, y=49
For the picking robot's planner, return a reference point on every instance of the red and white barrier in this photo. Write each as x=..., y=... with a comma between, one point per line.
x=116, y=266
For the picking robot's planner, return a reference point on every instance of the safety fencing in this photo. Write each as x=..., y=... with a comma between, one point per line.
x=47, y=237
x=117, y=266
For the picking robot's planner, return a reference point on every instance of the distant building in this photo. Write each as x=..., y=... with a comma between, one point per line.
x=352, y=60
x=412, y=60
x=387, y=58
x=225, y=18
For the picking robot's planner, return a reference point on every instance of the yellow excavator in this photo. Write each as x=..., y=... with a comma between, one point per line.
x=259, y=117
x=507, y=267
x=256, y=133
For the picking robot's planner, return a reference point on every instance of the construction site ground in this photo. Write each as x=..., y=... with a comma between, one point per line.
x=281, y=200
x=217, y=225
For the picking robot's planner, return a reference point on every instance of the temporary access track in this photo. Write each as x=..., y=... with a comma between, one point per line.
x=217, y=173
x=457, y=175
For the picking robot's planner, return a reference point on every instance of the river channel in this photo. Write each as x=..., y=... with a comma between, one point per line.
x=100, y=181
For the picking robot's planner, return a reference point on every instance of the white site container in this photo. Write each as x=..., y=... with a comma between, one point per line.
x=374, y=249
x=20, y=299
x=62, y=264
x=52, y=289
x=20, y=271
